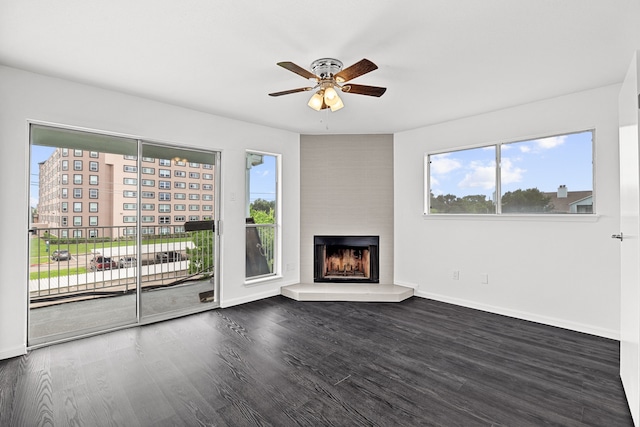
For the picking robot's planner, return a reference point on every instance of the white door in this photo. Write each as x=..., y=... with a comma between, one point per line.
x=630, y=242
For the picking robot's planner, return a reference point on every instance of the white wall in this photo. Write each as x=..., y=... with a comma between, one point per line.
x=26, y=96
x=553, y=270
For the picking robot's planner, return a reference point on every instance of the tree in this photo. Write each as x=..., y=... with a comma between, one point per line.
x=202, y=255
x=263, y=205
x=450, y=203
x=530, y=200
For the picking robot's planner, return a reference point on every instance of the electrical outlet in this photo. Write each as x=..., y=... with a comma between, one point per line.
x=455, y=275
x=484, y=279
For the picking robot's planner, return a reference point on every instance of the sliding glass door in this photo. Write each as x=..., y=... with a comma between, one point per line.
x=121, y=232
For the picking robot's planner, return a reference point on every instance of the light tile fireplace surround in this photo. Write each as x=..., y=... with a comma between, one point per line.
x=346, y=186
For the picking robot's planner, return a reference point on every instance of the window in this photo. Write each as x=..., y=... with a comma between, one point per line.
x=77, y=193
x=164, y=162
x=194, y=196
x=179, y=196
x=179, y=207
x=165, y=185
x=77, y=153
x=164, y=219
x=208, y=187
x=164, y=208
x=207, y=207
x=194, y=175
x=130, y=168
x=148, y=195
x=164, y=196
x=65, y=152
x=178, y=229
x=77, y=206
x=93, y=166
x=93, y=154
x=93, y=206
x=180, y=184
x=65, y=165
x=130, y=181
x=194, y=165
x=93, y=233
x=180, y=163
x=149, y=171
x=129, y=193
x=194, y=217
x=93, y=193
x=130, y=218
x=148, y=159
x=194, y=207
x=77, y=221
x=77, y=165
x=78, y=233
x=194, y=186
x=148, y=218
x=129, y=157
x=129, y=206
x=207, y=197
x=549, y=175
x=164, y=173
x=64, y=221
x=179, y=218
x=64, y=207
x=65, y=179
x=148, y=182
x=93, y=179
x=207, y=176
x=148, y=206
x=93, y=221
x=261, y=214
x=180, y=174
x=77, y=179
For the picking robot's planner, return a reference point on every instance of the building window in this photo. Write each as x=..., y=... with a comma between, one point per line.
x=194, y=207
x=129, y=218
x=180, y=163
x=129, y=193
x=194, y=186
x=149, y=171
x=93, y=154
x=64, y=221
x=148, y=195
x=148, y=218
x=148, y=206
x=130, y=181
x=64, y=206
x=93, y=166
x=129, y=157
x=77, y=179
x=164, y=173
x=164, y=219
x=77, y=153
x=77, y=206
x=164, y=208
x=178, y=229
x=77, y=165
x=207, y=166
x=93, y=206
x=207, y=207
x=65, y=179
x=194, y=218
x=148, y=182
x=179, y=196
x=207, y=176
x=194, y=196
x=179, y=174
x=93, y=221
x=180, y=184
x=129, y=206
x=164, y=196
x=164, y=162
x=262, y=236
x=77, y=221
x=130, y=168
x=164, y=185
x=165, y=230
x=179, y=218
x=93, y=193
x=93, y=179
x=77, y=193
x=65, y=152
x=194, y=165
x=149, y=159
x=77, y=233
x=207, y=187
x=179, y=207
x=65, y=165
x=64, y=193
x=194, y=175
x=93, y=233
x=207, y=197
x=522, y=177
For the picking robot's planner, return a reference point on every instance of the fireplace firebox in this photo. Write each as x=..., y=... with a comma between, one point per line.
x=346, y=259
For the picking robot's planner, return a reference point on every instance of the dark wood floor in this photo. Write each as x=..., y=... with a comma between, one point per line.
x=285, y=363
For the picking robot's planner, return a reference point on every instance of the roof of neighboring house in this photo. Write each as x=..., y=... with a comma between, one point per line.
x=562, y=204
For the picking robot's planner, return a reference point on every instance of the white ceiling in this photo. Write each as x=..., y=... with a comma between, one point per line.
x=439, y=59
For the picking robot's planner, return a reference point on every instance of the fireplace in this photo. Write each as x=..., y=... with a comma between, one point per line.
x=346, y=259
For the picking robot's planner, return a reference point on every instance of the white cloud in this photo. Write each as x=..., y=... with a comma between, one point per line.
x=510, y=173
x=480, y=176
x=551, y=142
x=442, y=164
x=525, y=148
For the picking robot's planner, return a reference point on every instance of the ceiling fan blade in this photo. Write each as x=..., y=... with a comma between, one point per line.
x=356, y=70
x=364, y=90
x=298, y=70
x=287, y=92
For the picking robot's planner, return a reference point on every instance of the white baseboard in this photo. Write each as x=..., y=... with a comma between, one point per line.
x=532, y=317
x=13, y=352
x=226, y=303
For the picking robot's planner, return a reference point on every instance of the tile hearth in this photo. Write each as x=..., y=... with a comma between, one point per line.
x=346, y=292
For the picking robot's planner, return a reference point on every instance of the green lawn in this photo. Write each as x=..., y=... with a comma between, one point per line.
x=47, y=274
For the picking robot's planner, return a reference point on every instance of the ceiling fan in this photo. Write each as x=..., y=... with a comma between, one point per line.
x=329, y=78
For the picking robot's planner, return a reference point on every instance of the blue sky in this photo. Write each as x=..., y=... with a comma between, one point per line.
x=543, y=163
x=263, y=180
x=38, y=154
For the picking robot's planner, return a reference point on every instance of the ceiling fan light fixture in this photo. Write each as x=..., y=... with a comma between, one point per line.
x=337, y=105
x=331, y=96
x=316, y=100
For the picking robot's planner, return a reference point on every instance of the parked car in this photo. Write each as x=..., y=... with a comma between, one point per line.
x=61, y=255
x=168, y=256
x=102, y=263
x=127, y=261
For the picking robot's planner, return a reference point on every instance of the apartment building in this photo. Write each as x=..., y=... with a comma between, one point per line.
x=94, y=194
